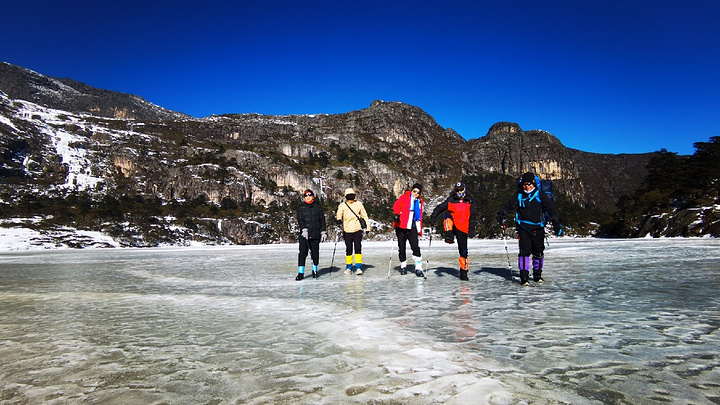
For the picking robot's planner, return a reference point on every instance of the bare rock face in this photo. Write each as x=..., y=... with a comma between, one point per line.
x=587, y=178
x=58, y=136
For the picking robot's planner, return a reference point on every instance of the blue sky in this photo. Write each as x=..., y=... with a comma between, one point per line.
x=603, y=76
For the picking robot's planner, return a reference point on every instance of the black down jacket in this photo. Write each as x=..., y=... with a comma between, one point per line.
x=312, y=217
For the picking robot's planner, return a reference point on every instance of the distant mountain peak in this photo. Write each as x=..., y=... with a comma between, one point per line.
x=70, y=95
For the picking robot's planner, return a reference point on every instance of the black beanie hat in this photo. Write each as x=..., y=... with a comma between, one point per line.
x=416, y=186
x=528, y=178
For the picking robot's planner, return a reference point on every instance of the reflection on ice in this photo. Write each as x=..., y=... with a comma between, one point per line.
x=617, y=321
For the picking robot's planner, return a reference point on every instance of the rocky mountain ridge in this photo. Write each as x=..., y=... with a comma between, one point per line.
x=73, y=96
x=58, y=137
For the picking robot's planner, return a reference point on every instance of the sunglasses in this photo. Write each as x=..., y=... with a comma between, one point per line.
x=309, y=195
x=527, y=184
x=416, y=191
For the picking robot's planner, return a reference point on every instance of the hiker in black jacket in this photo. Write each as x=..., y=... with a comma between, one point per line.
x=311, y=220
x=530, y=204
x=460, y=214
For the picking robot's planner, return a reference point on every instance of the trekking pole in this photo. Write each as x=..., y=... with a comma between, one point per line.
x=427, y=261
x=392, y=248
x=332, y=262
x=507, y=253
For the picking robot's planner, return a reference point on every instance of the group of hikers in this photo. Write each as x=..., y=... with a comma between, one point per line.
x=533, y=209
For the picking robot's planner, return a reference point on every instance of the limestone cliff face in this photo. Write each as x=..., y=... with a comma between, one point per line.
x=587, y=178
x=52, y=142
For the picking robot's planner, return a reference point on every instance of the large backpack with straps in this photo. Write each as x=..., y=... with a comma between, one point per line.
x=543, y=186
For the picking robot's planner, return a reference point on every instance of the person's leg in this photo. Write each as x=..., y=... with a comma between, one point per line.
x=302, y=256
x=348, y=252
x=402, y=237
x=415, y=247
x=538, y=255
x=463, y=251
x=525, y=249
x=448, y=227
x=357, y=244
x=315, y=255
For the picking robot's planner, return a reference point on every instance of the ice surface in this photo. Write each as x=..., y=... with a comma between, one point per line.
x=617, y=321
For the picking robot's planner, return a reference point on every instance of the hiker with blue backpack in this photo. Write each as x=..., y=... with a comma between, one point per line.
x=533, y=209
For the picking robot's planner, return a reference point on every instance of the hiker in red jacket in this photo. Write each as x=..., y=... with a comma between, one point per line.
x=408, y=211
x=459, y=222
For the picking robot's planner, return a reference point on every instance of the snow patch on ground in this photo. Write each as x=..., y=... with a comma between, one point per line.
x=12, y=239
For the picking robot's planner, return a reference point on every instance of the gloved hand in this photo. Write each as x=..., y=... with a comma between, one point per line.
x=323, y=236
x=397, y=218
x=338, y=222
x=471, y=233
x=305, y=233
x=557, y=228
x=500, y=218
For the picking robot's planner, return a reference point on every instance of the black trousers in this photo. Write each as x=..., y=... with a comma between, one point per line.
x=407, y=235
x=353, y=240
x=312, y=245
x=462, y=243
x=531, y=242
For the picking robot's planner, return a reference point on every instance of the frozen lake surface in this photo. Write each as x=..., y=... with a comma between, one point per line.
x=617, y=322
